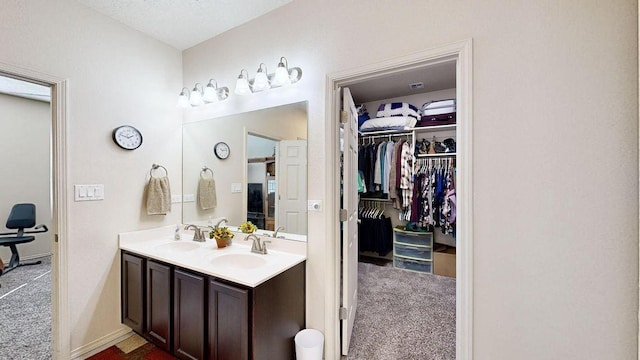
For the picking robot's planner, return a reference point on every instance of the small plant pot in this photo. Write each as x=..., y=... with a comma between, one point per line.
x=222, y=242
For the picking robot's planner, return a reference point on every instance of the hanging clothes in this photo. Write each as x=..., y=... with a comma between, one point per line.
x=375, y=231
x=434, y=187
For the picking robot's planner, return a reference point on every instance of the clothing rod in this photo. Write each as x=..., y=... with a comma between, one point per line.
x=371, y=137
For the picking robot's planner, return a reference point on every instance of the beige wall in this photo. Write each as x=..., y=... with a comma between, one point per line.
x=555, y=151
x=116, y=76
x=25, y=150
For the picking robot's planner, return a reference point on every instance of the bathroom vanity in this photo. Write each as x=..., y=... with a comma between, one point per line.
x=199, y=302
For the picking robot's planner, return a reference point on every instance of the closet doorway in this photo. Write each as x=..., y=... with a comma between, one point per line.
x=447, y=74
x=53, y=213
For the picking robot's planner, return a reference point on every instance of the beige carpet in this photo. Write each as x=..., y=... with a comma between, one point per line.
x=403, y=315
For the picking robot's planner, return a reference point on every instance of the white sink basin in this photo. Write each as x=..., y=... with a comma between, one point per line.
x=178, y=247
x=239, y=261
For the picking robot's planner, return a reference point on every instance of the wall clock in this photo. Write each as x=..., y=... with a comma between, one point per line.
x=127, y=137
x=221, y=150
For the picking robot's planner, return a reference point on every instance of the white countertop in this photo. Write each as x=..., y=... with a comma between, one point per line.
x=234, y=263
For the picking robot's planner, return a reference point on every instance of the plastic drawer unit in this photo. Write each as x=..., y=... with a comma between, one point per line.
x=413, y=250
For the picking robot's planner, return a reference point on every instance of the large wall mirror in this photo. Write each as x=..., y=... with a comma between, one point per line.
x=264, y=178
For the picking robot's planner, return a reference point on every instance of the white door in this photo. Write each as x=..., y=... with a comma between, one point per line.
x=292, y=186
x=349, y=217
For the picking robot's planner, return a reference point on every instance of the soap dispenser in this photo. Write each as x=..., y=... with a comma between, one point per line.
x=176, y=236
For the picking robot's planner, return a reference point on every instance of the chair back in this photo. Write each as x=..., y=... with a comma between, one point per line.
x=22, y=216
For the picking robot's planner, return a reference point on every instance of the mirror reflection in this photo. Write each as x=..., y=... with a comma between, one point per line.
x=264, y=177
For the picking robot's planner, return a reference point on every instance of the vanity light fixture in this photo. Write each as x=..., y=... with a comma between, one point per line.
x=201, y=95
x=196, y=95
x=183, y=98
x=213, y=93
x=285, y=76
x=242, y=85
x=263, y=81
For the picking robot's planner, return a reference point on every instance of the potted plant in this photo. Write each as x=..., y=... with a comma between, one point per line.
x=248, y=227
x=222, y=235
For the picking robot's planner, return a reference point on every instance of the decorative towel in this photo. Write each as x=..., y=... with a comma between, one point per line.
x=207, y=193
x=158, y=196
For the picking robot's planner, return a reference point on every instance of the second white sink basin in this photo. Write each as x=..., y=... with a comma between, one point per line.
x=239, y=261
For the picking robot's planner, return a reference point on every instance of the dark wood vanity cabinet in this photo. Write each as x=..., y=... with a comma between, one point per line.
x=195, y=316
x=189, y=315
x=159, y=293
x=228, y=322
x=133, y=287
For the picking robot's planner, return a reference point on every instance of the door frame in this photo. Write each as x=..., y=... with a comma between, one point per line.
x=461, y=52
x=60, y=331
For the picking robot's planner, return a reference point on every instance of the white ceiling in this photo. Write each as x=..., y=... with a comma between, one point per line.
x=435, y=77
x=183, y=23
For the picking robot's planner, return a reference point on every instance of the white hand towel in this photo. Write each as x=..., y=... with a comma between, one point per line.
x=158, y=196
x=207, y=193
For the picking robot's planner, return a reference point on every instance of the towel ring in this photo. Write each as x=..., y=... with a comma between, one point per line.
x=204, y=172
x=155, y=167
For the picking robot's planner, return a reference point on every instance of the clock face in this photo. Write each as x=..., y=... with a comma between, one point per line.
x=127, y=137
x=221, y=150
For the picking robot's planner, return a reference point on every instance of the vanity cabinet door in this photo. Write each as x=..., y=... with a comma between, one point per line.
x=132, y=282
x=159, y=295
x=189, y=315
x=228, y=322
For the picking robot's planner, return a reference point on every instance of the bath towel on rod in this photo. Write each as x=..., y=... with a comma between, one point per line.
x=207, y=190
x=158, y=192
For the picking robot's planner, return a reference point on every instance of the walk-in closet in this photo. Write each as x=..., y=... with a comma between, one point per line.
x=406, y=162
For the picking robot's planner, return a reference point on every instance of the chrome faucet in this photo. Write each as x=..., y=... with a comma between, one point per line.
x=257, y=247
x=275, y=234
x=220, y=222
x=197, y=234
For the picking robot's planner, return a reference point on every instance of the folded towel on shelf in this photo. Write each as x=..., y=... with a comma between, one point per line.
x=207, y=193
x=158, y=196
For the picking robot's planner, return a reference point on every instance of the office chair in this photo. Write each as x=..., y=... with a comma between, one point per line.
x=22, y=216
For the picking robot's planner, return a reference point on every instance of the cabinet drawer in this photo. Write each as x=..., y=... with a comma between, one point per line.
x=419, y=252
x=413, y=265
x=413, y=238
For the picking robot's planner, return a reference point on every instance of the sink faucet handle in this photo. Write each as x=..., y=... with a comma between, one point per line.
x=264, y=246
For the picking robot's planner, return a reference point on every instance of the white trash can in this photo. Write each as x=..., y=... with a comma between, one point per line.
x=309, y=344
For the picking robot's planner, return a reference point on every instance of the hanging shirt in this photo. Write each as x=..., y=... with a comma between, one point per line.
x=406, y=183
x=386, y=176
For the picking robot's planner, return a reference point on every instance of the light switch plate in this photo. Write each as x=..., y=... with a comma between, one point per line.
x=236, y=187
x=91, y=192
x=176, y=199
x=188, y=198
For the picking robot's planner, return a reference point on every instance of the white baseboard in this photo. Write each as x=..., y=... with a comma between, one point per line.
x=26, y=258
x=98, y=345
